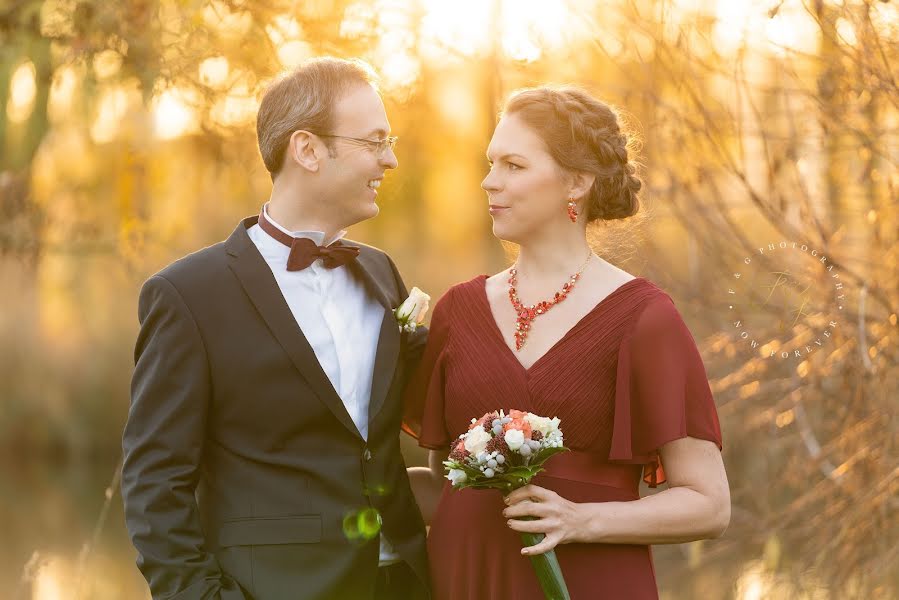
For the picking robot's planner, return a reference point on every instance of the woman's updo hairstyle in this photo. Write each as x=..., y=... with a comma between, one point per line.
x=583, y=134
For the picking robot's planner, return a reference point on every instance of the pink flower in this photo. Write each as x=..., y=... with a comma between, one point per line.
x=518, y=422
x=486, y=422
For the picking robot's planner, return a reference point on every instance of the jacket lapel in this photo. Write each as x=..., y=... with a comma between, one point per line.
x=259, y=284
x=372, y=273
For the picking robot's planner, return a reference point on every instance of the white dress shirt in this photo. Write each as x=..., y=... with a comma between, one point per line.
x=339, y=320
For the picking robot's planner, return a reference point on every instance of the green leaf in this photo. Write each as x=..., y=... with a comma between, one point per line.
x=513, y=478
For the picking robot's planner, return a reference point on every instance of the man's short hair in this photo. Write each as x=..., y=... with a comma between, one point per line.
x=305, y=99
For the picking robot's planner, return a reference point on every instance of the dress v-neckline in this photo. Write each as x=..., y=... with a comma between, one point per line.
x=511, y=353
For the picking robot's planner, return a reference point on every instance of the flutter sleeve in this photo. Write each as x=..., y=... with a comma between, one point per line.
x=662, y=390
x=424, y=405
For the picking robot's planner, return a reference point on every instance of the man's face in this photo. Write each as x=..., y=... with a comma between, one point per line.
x=353, y=170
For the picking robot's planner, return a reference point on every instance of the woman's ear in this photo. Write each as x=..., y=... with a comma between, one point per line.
x=305, y=150
x=581, y=182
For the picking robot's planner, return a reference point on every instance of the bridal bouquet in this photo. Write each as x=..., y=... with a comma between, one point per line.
x=505, y=452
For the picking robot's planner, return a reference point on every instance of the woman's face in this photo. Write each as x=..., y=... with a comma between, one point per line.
x=526, y=189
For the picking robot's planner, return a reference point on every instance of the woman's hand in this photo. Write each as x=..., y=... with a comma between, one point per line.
x=559, y=519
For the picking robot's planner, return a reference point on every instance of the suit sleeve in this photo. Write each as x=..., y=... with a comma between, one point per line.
x=163, y=445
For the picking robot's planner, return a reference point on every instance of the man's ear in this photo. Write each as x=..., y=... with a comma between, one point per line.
x=305, y=150
x=581, y=182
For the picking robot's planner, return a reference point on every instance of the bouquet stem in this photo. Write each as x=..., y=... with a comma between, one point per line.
x=546, y=565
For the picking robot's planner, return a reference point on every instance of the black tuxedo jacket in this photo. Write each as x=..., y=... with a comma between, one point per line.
x=244, y=477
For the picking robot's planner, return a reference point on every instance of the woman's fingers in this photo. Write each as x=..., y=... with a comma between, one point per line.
x=544, y=526
x=528, y=492
x=548, y=543
x=526, y=508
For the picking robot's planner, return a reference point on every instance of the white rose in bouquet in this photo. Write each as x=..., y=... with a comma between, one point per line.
x=476, y=440
x=514, y=439
x=456, y=476
x=542, y=424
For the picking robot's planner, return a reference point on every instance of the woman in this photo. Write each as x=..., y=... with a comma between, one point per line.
x=607, y=352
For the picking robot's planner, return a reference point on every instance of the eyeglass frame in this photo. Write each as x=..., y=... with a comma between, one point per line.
x=379, y=146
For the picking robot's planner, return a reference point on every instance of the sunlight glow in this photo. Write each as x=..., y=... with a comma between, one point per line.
x=752, y=584
x=291, y=54
x=885, y=18
x=22, y=93
x=521, y=47
x=456, y=27
x=399, y=69
x=458, y=107
x=283, y=29
x=231, y=24
x=735, y=23
x=286, y=33
x=50, y=582
x=237, y=108
x=214, y=71
x=107, y=64
x=846, y=32
x=529, y=25
x=358, y=19
x=785, y=418
x=792, y=29
x=739, y=24
x=395, y=52
x=521, y=29
x=113, y=105
x=172, y=117
x=59, y=101
x=760, y=580
x=689, y=7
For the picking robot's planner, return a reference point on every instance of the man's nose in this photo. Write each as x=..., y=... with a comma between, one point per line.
x=388, y=159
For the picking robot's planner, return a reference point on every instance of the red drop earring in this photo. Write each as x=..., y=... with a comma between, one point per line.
x=572, y=210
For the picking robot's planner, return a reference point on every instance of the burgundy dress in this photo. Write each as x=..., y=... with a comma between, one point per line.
x=625, y=380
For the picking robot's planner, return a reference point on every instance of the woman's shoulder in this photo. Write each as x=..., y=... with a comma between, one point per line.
x=460, y=295
x=653, y=310
x=474, y=284
x=647, y=291
x=464, y=289
x=630, y=294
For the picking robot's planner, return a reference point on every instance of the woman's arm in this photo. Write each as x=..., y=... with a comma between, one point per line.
x=695, y=506
x=427, y=483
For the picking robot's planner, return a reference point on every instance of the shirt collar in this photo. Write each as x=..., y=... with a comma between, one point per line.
x=316, y=236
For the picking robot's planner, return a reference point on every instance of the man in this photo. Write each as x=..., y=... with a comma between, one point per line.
x=262, y=456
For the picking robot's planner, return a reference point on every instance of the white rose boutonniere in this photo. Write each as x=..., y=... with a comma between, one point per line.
x=411, y=313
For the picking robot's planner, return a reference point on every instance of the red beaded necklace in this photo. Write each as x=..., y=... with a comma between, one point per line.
x=526, y=314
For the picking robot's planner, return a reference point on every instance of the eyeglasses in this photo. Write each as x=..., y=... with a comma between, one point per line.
x=379, y=146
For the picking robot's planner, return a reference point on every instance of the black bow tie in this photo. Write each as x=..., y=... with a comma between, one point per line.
x=304, y=252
